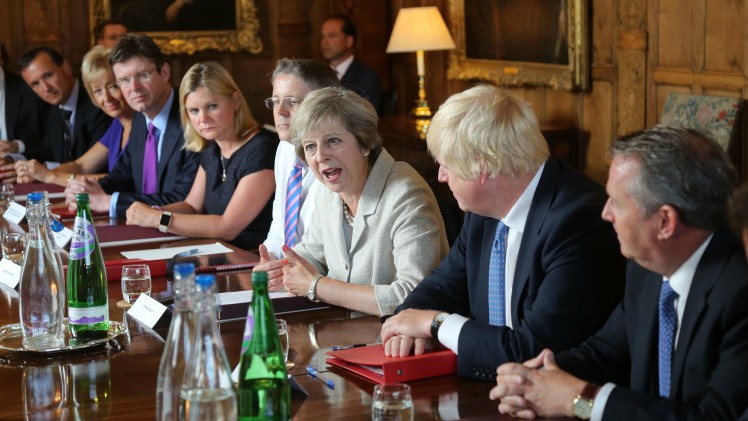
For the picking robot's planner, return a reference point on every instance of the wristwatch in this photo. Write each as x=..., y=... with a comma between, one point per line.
x=436, y=323
x=582, y=405
x=311, y=295
x=163, y=223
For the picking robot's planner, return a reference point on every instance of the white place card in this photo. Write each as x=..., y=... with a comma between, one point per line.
x=146, y=310
x=10, y=273
x=168, y=253
x=62, y=238
x=15, y=213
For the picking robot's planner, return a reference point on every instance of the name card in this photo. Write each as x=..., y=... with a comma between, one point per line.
x=15, y=213
x=10, y=273
x=146, y=310
x=62, y=238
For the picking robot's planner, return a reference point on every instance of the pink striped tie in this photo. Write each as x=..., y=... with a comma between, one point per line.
x=293, y=197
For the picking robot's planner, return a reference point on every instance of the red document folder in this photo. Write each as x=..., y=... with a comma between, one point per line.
x=393, y=369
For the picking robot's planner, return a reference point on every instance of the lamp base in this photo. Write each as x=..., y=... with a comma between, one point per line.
x=422, y=115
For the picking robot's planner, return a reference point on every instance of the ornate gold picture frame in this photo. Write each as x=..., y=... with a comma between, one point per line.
x=510, y=43
x=243, y=35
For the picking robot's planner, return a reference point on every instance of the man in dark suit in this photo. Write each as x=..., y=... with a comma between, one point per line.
x=533, y=266
x=154, y=169
x=22, y=120
x=74, y=123
x=676, y=348
x=338, y=39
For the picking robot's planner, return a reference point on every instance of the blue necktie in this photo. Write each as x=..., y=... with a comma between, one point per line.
x=668, y=320
x=293, y=203
x=497, y=278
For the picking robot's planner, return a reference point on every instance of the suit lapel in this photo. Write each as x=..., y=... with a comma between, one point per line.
x=644, y=356
x=489, y=234
x=12, y=106
x=367, y=204
x=170, y=141
x=542, y=200
x=707, y=274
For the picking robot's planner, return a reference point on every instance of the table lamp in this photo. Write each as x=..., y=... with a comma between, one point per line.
x=420, y=29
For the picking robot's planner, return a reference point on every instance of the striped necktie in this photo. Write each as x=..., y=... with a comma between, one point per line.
x=293, y=203
x=496, y=278
x=668, y=320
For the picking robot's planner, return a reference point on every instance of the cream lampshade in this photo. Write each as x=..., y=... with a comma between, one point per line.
x=419, y=29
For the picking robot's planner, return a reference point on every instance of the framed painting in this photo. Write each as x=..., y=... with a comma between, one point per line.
x=521, y=42
x=187, y=26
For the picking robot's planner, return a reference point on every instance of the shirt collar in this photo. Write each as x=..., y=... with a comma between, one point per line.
x=2, y=78
x=517, y=215
x=69, y=105
x=682, y=278
x=162, y=117
x=341, y=68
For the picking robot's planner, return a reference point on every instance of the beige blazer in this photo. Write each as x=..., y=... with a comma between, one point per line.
x=398, y=234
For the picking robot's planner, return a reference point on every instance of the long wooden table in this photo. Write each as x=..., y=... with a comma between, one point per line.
x=121, y=385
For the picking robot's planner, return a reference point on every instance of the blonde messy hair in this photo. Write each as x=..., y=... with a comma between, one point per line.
x=487, y=130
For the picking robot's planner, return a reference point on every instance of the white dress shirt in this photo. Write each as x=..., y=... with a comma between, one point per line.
x=341, y=68
x=680, y=282
x=449, y=332
x=285, y=156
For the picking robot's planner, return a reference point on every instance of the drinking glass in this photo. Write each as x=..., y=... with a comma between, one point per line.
x=14, y=246
x=392, y=402
x=283, y=333
x=136, y=280
x=6, y=196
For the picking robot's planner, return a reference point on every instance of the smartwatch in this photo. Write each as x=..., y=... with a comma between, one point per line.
x=163, y=223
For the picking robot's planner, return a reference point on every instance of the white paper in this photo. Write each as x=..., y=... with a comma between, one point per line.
x=146, y=310
x=10, y=273
x=15, y=213
x=168, y=253
x=238, y=297
x=63, y=237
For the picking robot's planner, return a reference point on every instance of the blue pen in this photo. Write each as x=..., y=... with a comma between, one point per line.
x=186, y=253
x=313, y=374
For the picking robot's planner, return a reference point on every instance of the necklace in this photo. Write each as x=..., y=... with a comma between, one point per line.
x=347, y=214
x=223, y=166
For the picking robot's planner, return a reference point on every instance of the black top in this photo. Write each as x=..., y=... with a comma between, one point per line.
x=256, y=155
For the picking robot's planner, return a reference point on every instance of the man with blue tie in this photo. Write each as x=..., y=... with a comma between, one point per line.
x=676, y=347
x=155, y=168
x=295, y=184
x=533, y=266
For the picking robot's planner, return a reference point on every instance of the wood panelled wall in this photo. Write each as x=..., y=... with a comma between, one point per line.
x=640, y=50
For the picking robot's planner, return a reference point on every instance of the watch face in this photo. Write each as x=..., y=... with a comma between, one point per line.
x=441, y=317
x=582, y=408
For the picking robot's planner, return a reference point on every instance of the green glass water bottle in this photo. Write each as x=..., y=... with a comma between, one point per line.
x=264, y=393
x=88, y=307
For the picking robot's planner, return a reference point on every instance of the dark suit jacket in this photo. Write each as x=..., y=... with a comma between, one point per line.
x=25, y=112
x=90, y=125
x=710, y=364
x=568, y=278
x=364, y=81
x=176, y=167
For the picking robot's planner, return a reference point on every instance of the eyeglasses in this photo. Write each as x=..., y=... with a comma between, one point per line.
x=288, y=102
x=142, y=77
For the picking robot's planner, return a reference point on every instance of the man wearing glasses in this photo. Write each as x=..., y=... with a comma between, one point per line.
x=295, y=185
x=74, y=123
x=155, y=169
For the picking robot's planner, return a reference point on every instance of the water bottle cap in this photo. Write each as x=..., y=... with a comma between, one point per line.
x=81, y=197
x=184, y=269
x=35, y=197
x=258, y=276
x=56, y=225
x=205, y=281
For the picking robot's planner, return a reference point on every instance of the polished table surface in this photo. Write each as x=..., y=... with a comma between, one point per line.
x=60, y=386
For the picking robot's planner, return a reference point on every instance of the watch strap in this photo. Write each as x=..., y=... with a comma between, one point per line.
x=163, y=223
x=311, y=295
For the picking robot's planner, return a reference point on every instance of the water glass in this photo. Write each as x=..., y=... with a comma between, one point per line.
x=7, y=195
x=14, y=246
x=283, y=333
x=392, y=402
x=136, y=280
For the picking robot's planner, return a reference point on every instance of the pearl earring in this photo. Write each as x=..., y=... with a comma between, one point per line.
x=366, y=153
